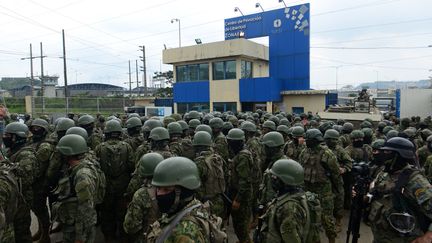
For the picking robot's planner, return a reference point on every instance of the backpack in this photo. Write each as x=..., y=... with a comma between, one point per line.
x=215, y=183
x=94, y=166
x=312, y=205
x=113, y=158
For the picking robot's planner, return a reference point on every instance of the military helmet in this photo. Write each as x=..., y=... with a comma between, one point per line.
x=133, y=115
x=63, y=124
x=148, y=162
x=113, y=126
x=17, y=128
x=85, y=120
x=194, y=115
x=78, y=131
x=391, y=134
x=290, y=172
x=340, y=122
x=133, y=122
x=405, y=122
x=216, y=123
x=248, y=126
x=176, y=116
x=159, y=133
x=283, y=128
x=429, y=139
x=410, y=132
x=313, y=123
x=365, y=124
x=270, y=125
x=325, y=126
x=402, y=146
x=314, y=134
x=194, y=123
x=176, y=171
x=275, y=120
x=377, y=144
x=331, y=134
x=285, y=122
x=381, y=125
x=387, y=129
x=175, y=128
x=338, y=128
x=228, y=125
x=273, y=139
x=150, y=125
x=357, y=134
x=72, y=144
x=298, y=132
x=202, y=138
x=425, y=133
x=40, y=123
x=368, y=132
x=347, y=127
x=167, y=120
x=205, y=128
x=207, y=118
x=183, y=125
x=236, y=134
x=233, y=120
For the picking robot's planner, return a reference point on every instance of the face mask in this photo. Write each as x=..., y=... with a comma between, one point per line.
x=60, y=135
x=38, y=135
x=269, y=151
x=367, y=140
x=235, y=146
x=7, y=141
x=379, y=158
x=296, y=141
x=165, y=202
x=276, y=183
x=429, y=146
x=312, y=143
x=331, y=143
x=358, y=144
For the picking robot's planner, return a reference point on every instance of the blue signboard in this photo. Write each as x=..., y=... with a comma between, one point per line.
x=289, y=41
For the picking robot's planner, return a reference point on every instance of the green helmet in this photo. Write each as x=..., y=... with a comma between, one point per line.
x=176, y=171
x=357, y=134
x=425, y=133
x=167, y=120
x=298, y=132
x=176, y=116
x=45, y=117
x=194, y=123
x=290, y=172
x=183, y=125
x=325, y=126
x=381, y=125
x=85, y=120
x=283, y=128
x=205, y=128
x=194, y=115
x=133, y=122
x=233, y=120
x=347, y=127
x=274, y=119
x=273, y=139
x=174, y=128
x=368, y=132
x=248, y=126
x=314, y=134
x=392, y=134
x=17, y=128
x=331, y=134
x=236, y=134
x=63, y=124
x=112, y=118
x=365, y=124
x=40, y=123
x=78, y=131
x=270, y=125
x=202, y=138
x=405, y=122
x=377, y=144
x=159, y=133
x=216, y=123
x=150, y=124
x=72, y=144
x=410, y=132
x=228, y=125
x=285, y=122
x=147, y=164
x=113, y=126
x=429, y=139
x=387, y=129
x=133, y=115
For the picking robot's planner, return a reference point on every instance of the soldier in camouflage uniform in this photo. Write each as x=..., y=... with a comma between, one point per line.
x=424, y=152
x=159, y=140
x=116, y=158
x=321, y=175
x=87, y=122
x=44, y=149
x=358, y=150
x=331, y=138
x=142, y=210
x=379, y=133
x=75, y=207
x=401, y=201
x=268, y=126
x=296, y=145
x=241, y=184
x=289, y=217
x=135, y=138
x=175, y=132
x=428, y=164
x=227, y=126
x=345, y=139
x=219, y=140
x=186, y=141
x=14, y=139
x=192, y=126
x=145, y=146
x=211, y=168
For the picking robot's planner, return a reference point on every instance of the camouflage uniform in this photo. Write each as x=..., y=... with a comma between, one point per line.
x=360, y=154
x=423, y=153
x=141, y=150
x=94, y=139
x=267, y=193
x=135, y=141
x=428, y=168
x=345, y=140
x=166, y=153
x=293, y=150
x=75, y=208
x=321, y=174
x=221, y=146
x=253, y=144
x=175, y=147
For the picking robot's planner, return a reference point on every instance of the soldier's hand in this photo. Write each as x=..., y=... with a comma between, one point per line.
x=426, y=238
x=235, y=205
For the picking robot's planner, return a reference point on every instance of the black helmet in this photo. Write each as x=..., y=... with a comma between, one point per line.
x=402, y=146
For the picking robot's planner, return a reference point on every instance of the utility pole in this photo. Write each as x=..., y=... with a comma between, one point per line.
x=144, y=69
x=130, y=81
x=65, y=74
x=31, y=78
x=137, y=81
x=42, y=78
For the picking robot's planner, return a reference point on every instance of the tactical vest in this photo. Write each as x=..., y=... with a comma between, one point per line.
x=314, y=172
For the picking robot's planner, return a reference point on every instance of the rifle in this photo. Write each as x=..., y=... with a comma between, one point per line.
x=256, y=234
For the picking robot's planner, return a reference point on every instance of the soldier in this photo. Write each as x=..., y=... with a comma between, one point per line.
x=296, y=145
x=377, y=162
x=117, y=162
x=87, y=122
x=159, y=140
x=227, y=126
x=404, y=124
x=135, y=138
x=187, y=148
x=321, y=175
x=219, y=140
x=424, y=152
x=359, y=151
x=284, y=131
x=290, y=217
x=268, y=126
x=142, y=210
x=428, y=164
x=241, y=184
x=192, y=126
x=345, y=139
x=27, y=120
x=145, y=146
x=176, y=180
x=401, y=197
x=167, y=120
x=175, y=132
x=212, y=170
x=379, y=133
x=75, y=208
x=368, y=136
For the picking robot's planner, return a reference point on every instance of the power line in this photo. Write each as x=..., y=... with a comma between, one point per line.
x=372, y=48
x=380, y=2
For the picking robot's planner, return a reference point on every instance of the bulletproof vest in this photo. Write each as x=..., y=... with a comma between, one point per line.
x=215, y=181
x=314, y=172
x=234, y=178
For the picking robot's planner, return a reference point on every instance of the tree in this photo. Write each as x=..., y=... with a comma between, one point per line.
x=168, y=75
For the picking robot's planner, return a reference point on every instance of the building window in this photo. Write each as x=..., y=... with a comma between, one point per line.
x=298, y=110
x=225, y=106
x=186, y=107
x=246, y=69
x=192, y=72
x=224, y=70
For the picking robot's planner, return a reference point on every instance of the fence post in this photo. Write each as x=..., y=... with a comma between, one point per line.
x=97, y=103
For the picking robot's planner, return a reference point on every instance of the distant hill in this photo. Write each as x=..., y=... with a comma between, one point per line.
x=12, y=83
x=395, y=84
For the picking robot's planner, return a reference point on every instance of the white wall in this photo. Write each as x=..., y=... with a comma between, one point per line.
x=415, y=102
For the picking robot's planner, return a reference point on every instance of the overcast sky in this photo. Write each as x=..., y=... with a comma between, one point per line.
x=101, y=36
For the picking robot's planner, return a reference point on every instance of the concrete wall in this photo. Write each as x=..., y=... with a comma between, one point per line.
x=314, y=103
x=415, y=102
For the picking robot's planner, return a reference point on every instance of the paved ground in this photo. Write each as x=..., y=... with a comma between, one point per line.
x=365, y=233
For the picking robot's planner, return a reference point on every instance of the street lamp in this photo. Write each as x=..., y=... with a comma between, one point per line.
x=237, y=9
x=282, y=1
x=177, y=20
x=258, y=5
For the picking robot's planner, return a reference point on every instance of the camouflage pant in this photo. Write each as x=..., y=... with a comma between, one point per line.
x=218, y=206
x=40, y=208
x=22, y=224
x=241, y=219
x=339, y=202
x=69, y=234
x=112, y=214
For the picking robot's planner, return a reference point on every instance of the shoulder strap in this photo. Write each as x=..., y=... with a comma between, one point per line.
x=365, y=155
x=305, y=205
x=403, y=179
x=169, y=228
